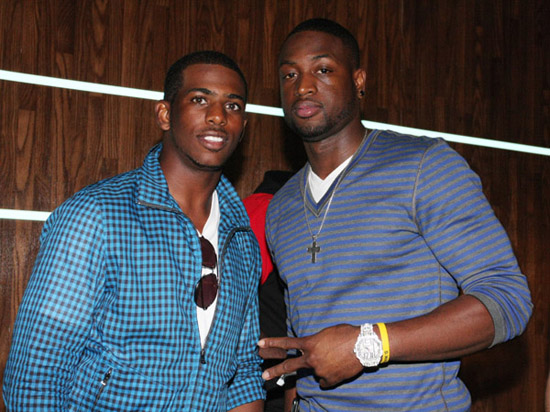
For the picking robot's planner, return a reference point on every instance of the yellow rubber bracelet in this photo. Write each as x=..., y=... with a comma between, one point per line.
x=385, y=342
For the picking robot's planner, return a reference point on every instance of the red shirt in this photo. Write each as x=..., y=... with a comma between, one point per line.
x=256, y=207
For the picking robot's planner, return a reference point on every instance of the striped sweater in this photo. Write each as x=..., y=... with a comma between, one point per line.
x=407, y=229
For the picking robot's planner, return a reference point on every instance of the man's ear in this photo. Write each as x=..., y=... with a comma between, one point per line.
x=360, y=80
x=162, y=110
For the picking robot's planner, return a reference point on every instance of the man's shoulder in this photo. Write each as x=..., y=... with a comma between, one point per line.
x=394, y=141
x=112, y=190
x=390, y=149
x=285, y=201
x=289, y=190
x=112, y=185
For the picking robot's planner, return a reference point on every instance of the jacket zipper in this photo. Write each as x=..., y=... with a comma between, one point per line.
x=103, y=382
x=202, y=359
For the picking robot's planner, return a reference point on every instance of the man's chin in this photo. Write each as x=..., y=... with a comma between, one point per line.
x=210, y=168
x=205, y=166
x=311, y=134
x=308, y=130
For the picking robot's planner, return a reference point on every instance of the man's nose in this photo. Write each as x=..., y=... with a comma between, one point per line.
x=216, y=114
x=305, y=85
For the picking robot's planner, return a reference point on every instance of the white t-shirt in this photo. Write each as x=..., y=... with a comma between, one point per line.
x=210, y=232
x=318, y=186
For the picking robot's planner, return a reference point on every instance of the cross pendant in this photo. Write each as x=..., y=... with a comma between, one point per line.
x=314, y=249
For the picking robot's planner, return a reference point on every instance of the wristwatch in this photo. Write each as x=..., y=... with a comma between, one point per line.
x=368, y=347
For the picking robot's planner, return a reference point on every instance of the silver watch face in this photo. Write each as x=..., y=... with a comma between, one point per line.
x=368, y=350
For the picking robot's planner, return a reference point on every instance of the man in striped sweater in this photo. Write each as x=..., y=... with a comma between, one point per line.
x=394, y=261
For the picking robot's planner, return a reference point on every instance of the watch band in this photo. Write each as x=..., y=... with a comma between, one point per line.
x=385, y=342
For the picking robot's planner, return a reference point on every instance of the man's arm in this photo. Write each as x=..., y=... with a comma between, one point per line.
x=256, y=406
x=455, y=329
x=246, y=389
x=56, y=312
x=471, y=246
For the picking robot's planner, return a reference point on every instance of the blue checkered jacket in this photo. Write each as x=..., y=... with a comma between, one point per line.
x=108, y=320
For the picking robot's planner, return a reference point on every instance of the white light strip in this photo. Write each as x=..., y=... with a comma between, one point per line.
x=476, y=141
x=13, y=214
x=268, y=110
x=78, y=85
x=258, y=109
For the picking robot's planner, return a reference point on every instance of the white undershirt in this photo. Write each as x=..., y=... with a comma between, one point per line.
x=318, y=187
x=210, y=232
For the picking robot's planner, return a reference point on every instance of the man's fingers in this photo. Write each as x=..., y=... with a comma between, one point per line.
x=272, y=353
x=282, y=343
x=284, y=368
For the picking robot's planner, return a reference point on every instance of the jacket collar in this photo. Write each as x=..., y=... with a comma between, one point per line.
x=152, y=187
x=152, y=191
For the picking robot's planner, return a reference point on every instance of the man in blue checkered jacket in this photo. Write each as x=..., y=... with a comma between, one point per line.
x=144, y=293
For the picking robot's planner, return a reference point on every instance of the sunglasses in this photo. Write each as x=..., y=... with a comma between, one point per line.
x=206, y=288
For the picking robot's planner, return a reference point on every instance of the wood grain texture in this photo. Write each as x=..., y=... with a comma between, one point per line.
x=463, y=66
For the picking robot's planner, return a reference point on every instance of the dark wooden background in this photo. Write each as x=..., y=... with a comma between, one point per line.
x=479, y=68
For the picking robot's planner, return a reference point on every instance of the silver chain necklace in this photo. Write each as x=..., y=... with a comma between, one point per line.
x=316, y=248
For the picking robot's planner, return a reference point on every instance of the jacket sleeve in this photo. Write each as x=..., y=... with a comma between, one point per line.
x=56, y=312
x=459, y=226
x=247, y=384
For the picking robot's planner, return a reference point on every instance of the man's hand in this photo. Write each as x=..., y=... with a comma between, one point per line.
x=329, y=353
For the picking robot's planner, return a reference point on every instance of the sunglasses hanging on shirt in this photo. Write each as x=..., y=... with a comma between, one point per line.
x=206, y=288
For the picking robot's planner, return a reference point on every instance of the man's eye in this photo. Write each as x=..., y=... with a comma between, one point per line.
x=289, y=76
x=324, y=70
x=233, y=107
x=198, y=99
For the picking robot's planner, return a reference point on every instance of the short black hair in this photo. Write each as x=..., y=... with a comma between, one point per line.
x=174, y=76
x=333, y=28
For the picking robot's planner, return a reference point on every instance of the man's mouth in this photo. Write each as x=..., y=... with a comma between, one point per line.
x=306, y=109
x=212, y=140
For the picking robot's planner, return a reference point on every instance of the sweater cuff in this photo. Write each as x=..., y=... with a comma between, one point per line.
x=498, y=321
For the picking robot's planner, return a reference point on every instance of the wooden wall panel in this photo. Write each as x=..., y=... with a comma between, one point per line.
x=462, y=66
